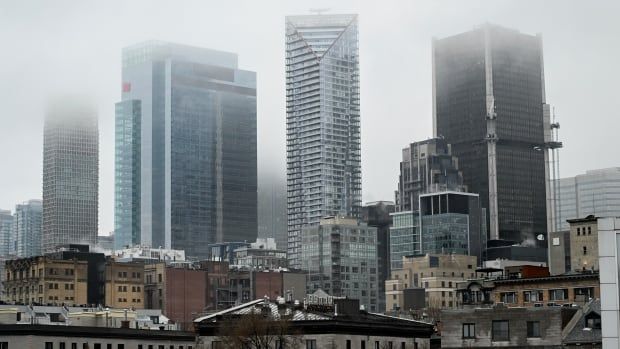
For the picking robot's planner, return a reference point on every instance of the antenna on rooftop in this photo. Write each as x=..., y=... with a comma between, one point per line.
x=319, y=11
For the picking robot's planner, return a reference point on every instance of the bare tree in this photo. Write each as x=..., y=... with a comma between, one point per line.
x=255, y=331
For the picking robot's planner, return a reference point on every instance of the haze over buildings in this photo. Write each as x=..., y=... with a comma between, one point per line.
x=70, y=173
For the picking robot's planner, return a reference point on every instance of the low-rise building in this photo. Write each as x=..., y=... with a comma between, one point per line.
x=261, y=254
x=45, y=280
x=247, y=284
x=505, y=327
x=438, y=275
x=342, y=325
x=74, y=337
x=124, y=285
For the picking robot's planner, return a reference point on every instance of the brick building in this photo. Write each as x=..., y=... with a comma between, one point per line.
x=550, y=290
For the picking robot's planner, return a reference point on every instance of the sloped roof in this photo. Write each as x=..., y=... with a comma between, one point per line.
x=579, y=332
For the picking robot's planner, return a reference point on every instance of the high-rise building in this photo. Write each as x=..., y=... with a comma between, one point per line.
x=340, y=257
x=186, y=162
x=70, y=174
x=322, y=122
x=6, y=233
x=609, y=260
x=377, y=215
x=597, y=192
x=489, y=102
x=127, y=174
x=27, y=229
x=272, y=208
x=427, y=166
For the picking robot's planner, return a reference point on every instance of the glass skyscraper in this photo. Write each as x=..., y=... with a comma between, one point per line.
x=70, y=174
x=127, y=174
x=322, y=122
x=196, y=149
x=27, y=227
x=489, y=97
x=6, y=233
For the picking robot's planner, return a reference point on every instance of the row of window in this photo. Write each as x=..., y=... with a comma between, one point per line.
x=500, y=330
x=62, y=345
x=311, y=344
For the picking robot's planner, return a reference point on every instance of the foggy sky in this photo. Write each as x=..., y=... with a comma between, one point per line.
x=54, y=47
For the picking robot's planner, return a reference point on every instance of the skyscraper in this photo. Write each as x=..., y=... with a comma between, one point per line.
x=426, y=167
x=27, y=227
x=70, y=174
x=186, y=148
x=489, y=96
x=596, y=192
x=322, y=122
x=6, y=233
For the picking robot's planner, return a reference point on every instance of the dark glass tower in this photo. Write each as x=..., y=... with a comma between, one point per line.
x=70, y=174
x=197, y=147
x=488, y=104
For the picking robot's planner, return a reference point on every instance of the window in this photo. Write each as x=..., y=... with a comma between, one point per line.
x=532, y=296
x=109, y=346
x=558, y=295
x=377, y=346
x=218, y=345
x=49, y=345
x=363, y=344
x=578, y=231
x=585, y=250
x=348, y=344
x=120, y=346
x=97, y=346
x=469, y=330
x=593, y=321
x=500, y=330
x=84, y=345
x=62, y=344
x=402, y=345
x=73, y=345
x=311, y=344
x=589, y=230
x=533, y=329
x=508, y=297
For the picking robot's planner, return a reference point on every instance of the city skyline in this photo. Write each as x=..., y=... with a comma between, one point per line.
x=416, y=118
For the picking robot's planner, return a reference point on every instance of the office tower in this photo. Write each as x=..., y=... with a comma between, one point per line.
x=452, y=222
x=127, y=174
x=196, y=148
x=427, y=166
x=6, y=233
x=272, y=208
x=27, y=227
x=597, y=192
x=322, y=122
x=489, y=96
x=70, y=174
x=377, y=215
x=350, y=270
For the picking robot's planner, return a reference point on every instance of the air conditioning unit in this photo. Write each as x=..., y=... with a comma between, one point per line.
x=538, y=305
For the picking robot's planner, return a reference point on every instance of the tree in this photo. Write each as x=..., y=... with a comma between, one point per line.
x=256, y=331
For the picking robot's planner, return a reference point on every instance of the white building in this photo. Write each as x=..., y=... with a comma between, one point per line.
x=609, y=264
x=597, y=192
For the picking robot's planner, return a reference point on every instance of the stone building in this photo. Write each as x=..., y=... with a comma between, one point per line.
x=124, y=285
x=437, y=274
x=505, y=327
x=315, y=327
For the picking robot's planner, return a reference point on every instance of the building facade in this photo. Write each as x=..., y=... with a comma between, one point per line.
x=575, y=249
x=197, y=148
x=596, y=192
x=124, y=285
x=404, y=237
x=27, y=229
x=452, y=222
x=340, y=257
x=127, y=167
x=438, y=275
x=426, y=166
x=322, y=122
x=378, y=215
x=489, y=96
x=609, y=260
x=7, y=239
x=70, y=174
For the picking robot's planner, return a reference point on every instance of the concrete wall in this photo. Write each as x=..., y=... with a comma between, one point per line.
x=550, y=320
x=339, y=341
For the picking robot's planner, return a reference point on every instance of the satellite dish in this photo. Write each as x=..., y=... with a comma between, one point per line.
x=540, y=237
